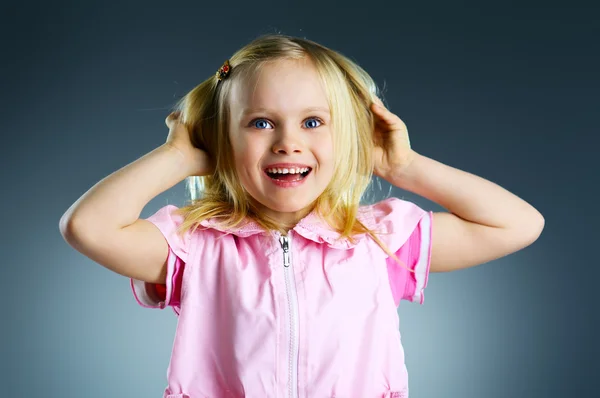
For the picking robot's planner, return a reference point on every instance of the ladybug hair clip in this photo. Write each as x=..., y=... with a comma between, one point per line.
x=223, y=71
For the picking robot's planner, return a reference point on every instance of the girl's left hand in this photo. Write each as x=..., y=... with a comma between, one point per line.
x=392, y=152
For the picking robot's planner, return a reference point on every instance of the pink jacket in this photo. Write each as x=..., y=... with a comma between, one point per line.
x=262, y=315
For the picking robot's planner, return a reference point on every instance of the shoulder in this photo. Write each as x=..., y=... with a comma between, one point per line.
x=393, y=220
x=171, y=218
x=167, y=212
x=168, y=218
x=169, y=221
x=390, y=214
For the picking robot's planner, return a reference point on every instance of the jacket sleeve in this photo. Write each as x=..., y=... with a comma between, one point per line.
x=165, y=294
x=405, y=229
x=415, y=254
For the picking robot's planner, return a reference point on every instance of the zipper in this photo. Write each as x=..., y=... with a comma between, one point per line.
x=290, y=284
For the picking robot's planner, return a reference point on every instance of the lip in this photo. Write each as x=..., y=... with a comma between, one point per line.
x=286, y=184
x=287, y=166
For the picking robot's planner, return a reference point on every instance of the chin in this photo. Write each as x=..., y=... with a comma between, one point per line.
x=288, y=208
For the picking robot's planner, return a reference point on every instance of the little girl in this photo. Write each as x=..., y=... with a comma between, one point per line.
x=283, y=284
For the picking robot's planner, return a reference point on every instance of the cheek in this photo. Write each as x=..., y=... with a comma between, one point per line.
x=245, y=159
x=325, y=153
x=239, y=149
x=249, y=152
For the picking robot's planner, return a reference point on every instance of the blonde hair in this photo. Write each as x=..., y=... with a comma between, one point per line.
x=205, y=112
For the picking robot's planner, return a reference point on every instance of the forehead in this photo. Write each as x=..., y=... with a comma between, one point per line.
x=284, y=86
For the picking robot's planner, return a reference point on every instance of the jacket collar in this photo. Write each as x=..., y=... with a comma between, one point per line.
x=311, y=227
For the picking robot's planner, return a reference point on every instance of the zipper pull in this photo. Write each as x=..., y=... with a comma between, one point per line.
x=286, y=250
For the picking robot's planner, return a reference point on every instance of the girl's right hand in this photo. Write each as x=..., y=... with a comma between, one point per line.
x=198, y=161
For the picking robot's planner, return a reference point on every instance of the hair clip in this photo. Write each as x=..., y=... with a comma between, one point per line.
x=223, y=71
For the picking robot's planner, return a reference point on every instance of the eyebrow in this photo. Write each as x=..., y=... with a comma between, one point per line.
x=249, y=111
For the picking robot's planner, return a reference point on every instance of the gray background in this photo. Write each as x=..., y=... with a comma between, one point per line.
x=504, y=91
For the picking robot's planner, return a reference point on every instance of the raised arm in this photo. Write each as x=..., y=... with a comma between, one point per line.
x=484, y=221
x=104, y=223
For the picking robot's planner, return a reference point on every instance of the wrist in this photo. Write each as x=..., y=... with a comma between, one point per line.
x=178, y=158
x=400, y=173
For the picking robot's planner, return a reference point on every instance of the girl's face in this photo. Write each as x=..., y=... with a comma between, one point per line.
x=281, y=138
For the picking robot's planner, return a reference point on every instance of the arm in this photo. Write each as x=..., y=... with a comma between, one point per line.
x=485, y=221
x=104, y=223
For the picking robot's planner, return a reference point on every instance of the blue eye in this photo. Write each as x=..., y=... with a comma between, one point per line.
x=260, y=124
x=313, y=119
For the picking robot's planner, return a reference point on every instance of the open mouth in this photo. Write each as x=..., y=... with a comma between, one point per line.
x=288, y=174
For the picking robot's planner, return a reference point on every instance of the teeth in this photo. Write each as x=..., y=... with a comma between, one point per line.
x=288, y=171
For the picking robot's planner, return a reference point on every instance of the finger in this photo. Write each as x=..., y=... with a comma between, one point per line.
x=379, y=109
x=378, y=100
x=379, y=105
x=384, y=113
x=173, y=117
x=389, y=120
x=169, y=119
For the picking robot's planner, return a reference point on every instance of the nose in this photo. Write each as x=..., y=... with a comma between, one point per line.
x=287, y=142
